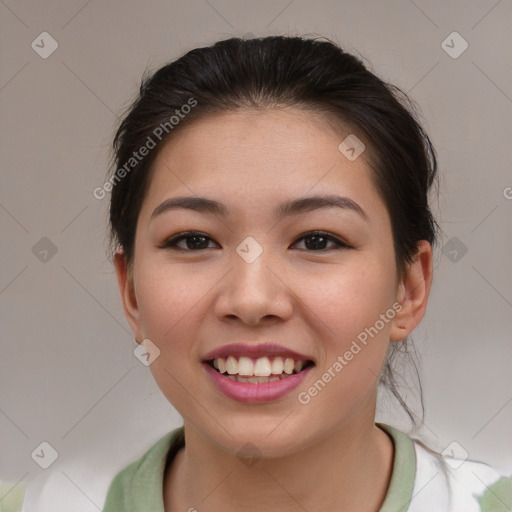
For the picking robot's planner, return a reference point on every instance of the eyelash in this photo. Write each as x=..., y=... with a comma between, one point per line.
x=171, y=243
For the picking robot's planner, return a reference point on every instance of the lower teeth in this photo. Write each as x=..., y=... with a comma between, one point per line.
x=256, y=380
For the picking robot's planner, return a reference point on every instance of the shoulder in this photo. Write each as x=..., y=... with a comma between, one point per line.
x=140, y=483
x=424, y=481
x=457, y=484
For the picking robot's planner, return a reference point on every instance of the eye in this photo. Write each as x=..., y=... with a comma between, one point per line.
x=194, y=241
x=316, y=240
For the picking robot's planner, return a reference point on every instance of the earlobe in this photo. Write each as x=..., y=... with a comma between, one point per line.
x=413, y=293
x=127, y=290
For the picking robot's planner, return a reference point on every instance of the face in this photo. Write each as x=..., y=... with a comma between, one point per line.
x=265, y=282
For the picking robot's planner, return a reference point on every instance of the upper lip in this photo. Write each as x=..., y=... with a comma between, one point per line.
x=256, y=351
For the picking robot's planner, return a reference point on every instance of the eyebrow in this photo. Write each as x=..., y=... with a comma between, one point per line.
x=288, y=208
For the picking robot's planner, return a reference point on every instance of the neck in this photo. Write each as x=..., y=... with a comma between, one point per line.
x=347, y=470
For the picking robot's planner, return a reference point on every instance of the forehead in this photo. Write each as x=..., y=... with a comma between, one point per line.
x=259, y=154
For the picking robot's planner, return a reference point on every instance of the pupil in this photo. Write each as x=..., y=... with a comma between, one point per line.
x=195, y=245
x=315, y=245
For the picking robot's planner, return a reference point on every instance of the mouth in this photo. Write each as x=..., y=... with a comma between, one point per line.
x=256, y=373
x=261, y=370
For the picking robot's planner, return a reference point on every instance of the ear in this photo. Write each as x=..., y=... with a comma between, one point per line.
x=126, y=287
x=413, y=292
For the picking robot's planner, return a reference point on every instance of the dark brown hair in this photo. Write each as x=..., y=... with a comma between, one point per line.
x=277, y=72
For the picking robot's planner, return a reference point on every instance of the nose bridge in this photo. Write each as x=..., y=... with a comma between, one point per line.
x=254, y=272
x=251, y=272
x=253, y=289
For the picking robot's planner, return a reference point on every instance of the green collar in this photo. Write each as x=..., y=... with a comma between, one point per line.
x=401, y=485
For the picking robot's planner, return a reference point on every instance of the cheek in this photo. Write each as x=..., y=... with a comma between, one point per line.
x=353, y=314
x=171, y=312
x=350, y=300
x=167, y=302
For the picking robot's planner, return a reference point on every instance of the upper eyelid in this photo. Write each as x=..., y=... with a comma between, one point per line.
x=171, y=242
x=333, y=238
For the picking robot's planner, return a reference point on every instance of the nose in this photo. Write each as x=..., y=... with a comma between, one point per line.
x=254, y=293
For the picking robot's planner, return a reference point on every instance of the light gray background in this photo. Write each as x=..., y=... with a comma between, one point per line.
x=68, y=375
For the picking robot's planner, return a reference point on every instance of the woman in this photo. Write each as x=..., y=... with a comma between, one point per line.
x=273, y=245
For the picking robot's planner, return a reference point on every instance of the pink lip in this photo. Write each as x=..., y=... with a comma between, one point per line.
x=262, y=350
x=255, y=393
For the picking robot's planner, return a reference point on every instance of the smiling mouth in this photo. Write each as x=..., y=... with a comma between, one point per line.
x=258, y=370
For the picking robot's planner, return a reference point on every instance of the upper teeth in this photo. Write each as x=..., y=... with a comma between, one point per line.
x=261, y=367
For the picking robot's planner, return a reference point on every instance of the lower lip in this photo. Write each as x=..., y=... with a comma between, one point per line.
x=255, y=393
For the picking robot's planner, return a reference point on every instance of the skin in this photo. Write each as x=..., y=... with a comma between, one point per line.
x=328, y=454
